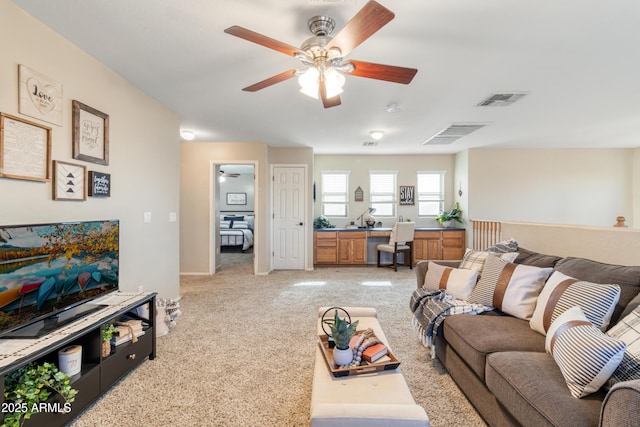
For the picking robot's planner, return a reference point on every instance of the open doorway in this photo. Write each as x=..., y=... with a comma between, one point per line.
x=234, y=216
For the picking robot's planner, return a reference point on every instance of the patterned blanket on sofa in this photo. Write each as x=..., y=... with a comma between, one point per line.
x=430, y=308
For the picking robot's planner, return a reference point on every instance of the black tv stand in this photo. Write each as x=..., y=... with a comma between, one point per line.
x=99, y=372
x=49, y=324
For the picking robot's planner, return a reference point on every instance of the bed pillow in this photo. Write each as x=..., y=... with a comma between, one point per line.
x=628, y=331
x=586, y=356
x=562, y=292
x=239, y=224
x=234, y=218
x=476, y=259
x=456, y=281
x=511, y=288
x=225, y=224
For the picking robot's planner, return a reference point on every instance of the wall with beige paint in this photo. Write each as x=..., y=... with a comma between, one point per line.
x=143, y=153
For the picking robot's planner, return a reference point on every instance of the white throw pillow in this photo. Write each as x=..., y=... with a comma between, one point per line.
x=562, y=292
x=511, y=288
x=586, y=356
x=457, y=282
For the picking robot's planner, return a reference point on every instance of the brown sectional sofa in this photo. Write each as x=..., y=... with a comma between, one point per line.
x=500, y=363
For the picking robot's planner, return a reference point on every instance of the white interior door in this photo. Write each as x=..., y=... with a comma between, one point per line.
x=289, y=198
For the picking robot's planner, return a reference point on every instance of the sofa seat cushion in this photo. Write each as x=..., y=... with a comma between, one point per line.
x=474, y=337
x=531, y=387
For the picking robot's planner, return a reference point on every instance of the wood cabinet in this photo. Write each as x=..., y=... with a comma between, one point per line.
x=438, y=245
x=98, y=373
x=325, y=247
x=352, y=247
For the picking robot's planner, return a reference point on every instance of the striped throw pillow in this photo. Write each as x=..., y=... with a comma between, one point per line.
x=585, y=355
x=455, y=281
x=628, y=331
x=511, y=288
x=562, y=292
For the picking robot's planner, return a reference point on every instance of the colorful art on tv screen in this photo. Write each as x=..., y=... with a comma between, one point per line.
x=48, y=268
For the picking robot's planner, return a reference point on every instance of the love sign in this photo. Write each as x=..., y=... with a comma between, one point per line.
x=40, y=97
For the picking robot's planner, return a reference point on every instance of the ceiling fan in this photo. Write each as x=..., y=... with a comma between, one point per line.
x=229, y=175
x=323, y=56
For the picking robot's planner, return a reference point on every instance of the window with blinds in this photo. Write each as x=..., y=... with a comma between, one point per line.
x=335, y=194
x=383, y=193
x=430, y=193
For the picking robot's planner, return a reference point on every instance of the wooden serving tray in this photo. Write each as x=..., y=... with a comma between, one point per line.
x=323, y=342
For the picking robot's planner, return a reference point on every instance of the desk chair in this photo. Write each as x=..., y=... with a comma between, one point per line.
x=400, y=241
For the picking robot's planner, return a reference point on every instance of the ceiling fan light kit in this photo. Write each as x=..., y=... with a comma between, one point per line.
x=322, y=56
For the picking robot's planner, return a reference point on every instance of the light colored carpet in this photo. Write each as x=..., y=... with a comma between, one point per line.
x=243, y=350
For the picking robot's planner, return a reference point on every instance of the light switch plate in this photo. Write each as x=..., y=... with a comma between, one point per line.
x=147, y=217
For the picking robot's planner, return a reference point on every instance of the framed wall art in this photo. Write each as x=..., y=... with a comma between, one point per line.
x=236, y=198
x=25, y=149
x=90, y=134
x=407, y=195
x=39, y=97
x=69, y=181
x=99, y=184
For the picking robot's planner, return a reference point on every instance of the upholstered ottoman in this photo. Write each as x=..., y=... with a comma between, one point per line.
x=375, y=399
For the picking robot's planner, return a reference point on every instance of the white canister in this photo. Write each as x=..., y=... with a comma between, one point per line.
x=70, y=359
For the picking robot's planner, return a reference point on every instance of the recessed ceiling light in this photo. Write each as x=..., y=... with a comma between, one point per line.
x=187, y=135
x=376, y=134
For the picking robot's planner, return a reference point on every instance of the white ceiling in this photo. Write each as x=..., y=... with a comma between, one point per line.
x=577, y=60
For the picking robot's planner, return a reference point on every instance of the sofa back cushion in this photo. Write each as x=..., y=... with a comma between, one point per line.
x=527, y=257
x=628, y=278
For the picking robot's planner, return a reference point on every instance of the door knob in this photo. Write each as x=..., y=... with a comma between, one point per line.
x=300, y=224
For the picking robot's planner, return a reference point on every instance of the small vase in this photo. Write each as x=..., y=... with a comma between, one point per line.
x=342, y=357
x=106, y=348
x=449, y=224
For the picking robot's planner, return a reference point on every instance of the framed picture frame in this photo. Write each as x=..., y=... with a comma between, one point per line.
x=236, y=198
x=99, y=184
x=407, y=195
x=90, y=134
x=69, y=181
x=25, y=149
x=39, y=96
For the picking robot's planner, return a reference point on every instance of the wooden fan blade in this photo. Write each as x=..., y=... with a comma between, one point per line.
x=262, y=40
x=271, y=81
x=328, y=102
x=363, y=25
x=388, y=73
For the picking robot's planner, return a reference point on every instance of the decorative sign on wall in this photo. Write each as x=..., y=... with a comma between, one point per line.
x=25, y=149
x=236, y=198
x=359, y=195
x=90, y=134
x=99, y=184
x=69, y=181
x=40, y=97
x=407, y=195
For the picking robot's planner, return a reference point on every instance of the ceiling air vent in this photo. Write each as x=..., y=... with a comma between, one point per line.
x=370, y=143
x=453, y=133
x=501, y=99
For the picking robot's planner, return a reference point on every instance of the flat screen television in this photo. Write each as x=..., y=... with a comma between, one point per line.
x=50, y=273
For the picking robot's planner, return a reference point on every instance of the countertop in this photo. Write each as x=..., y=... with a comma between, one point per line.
x=384, y=229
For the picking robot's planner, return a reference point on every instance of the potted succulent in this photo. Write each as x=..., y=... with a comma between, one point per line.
x=449, y=219
x=107, y=334
x=29, y=386
x=342, y=332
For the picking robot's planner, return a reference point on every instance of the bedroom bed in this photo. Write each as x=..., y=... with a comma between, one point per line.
x=236, y=233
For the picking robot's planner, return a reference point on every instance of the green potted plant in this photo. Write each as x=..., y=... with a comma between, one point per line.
x=31, y=385
x=107, y=334
x=342, y=332
x=448, y=219
x=322, y=222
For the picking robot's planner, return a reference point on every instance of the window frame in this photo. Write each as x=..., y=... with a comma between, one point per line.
x=324, y=194
x=422, y=196
x=393, y=202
